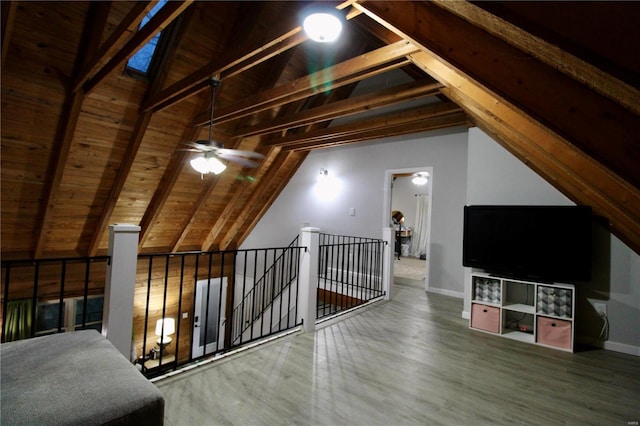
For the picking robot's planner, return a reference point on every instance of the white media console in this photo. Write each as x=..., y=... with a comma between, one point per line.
x=528, y=311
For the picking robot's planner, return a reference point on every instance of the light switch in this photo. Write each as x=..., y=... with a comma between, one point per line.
x=352, y=211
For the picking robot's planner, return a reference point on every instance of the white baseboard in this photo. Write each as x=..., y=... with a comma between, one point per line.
x=466, y=315
x=458, y=294
x=610, y=346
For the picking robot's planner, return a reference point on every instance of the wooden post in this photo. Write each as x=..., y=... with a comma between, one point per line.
x=308, y=278
x=117, y=319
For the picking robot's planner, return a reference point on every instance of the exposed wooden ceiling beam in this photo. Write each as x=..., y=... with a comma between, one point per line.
x=292, y=163
x=600, y=127
x=251, y=56
x=345, y=107
x=67, y=126
x=454, y=119
x=369, y=124
x=268, y=185
x=346, y=72
x=120, y=180
x=8, y=17
x=165, y=16
x=570, y=170
x=552, y=55
x=238, y=194
x=125, y=31
x=285, y=35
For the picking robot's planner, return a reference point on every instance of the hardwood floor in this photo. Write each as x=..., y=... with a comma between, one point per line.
x=409, y=361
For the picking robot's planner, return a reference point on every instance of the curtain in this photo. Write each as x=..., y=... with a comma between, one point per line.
x=17, y=324
x=420, y=231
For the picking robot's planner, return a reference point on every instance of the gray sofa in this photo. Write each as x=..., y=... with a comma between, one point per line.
x=76, y=378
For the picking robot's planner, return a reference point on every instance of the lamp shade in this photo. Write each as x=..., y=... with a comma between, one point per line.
x=165, y=327
x=323, y=25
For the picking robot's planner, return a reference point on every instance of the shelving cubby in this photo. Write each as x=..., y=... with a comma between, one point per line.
x=528, y=311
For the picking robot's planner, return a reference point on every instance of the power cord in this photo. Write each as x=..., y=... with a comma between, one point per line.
x=604, y=332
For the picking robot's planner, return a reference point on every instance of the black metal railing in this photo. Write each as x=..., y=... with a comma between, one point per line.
x=218, y=300
x=259, y=298
x=46, y=296
x=199, y=291
x=350, y=271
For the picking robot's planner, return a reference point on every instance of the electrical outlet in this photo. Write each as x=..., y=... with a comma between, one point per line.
x=601, y=308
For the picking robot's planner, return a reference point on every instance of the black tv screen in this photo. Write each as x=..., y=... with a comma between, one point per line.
x=546, y=243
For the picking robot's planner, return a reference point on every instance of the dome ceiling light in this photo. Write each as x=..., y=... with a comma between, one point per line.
x=323, y=24
x=420, y=178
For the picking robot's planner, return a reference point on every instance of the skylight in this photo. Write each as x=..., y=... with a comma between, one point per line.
x=141, y=61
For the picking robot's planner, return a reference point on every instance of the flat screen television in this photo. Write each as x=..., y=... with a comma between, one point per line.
x=545, y=243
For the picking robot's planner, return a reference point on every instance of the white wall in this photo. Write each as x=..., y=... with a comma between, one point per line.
x=496, y=177
x=359, y=170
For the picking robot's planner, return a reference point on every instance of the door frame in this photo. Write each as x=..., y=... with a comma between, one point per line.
x=214, y=284
x=386, y=205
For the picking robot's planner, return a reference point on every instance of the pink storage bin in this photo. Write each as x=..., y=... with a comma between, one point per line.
x=485, y=318
x=554, y=332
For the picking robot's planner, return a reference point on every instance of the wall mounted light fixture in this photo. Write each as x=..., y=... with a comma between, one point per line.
x=324, y=173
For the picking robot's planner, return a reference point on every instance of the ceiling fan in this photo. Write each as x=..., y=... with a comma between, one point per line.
x=211, y=151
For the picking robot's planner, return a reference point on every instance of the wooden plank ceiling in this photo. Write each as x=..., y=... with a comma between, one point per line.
x=86, y=143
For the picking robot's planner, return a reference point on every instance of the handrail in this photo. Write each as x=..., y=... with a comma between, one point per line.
x=258, y=297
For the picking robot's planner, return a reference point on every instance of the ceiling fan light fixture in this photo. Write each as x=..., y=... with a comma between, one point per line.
x=207, y=164
x=323, y=25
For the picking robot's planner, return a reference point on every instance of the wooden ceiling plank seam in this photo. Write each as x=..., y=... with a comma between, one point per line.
x=8, y=18
x=346, y=107
x=124, y=32
x=454, y=119
x=247, y=207
x=369, y=124
x=590, y=184
x=317, y=80
x=165, y=16
x=121, y=178
x=573, y=110
x=578, y=69
x=66, y=127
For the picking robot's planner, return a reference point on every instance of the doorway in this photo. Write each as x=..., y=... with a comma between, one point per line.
x=408, y=208
x=209, y=317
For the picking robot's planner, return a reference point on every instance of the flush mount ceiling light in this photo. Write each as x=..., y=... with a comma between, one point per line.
x=420, y=178
x=322, y=24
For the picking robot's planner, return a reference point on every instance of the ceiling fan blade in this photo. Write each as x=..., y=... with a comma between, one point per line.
x=202, y=145
x=239, y=153
x=242, y=161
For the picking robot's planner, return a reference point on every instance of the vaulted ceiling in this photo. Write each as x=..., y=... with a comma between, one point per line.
x=85, y=143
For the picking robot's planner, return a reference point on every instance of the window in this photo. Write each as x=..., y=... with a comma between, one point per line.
x=141, y=60
x=72, y=315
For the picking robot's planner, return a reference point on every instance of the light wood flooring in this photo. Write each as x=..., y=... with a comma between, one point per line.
x=410, y=361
